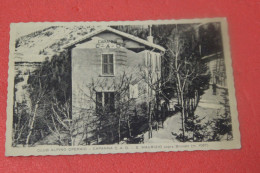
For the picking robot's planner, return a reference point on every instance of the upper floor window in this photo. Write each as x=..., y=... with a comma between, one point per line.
x=108, y=64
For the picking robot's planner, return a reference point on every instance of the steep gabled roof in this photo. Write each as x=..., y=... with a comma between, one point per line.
x=123, y=34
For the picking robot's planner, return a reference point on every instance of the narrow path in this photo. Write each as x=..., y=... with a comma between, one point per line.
x=164, y=135
x=211, y=106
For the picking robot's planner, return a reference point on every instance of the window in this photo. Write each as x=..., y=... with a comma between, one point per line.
x=108, y=64
x=105, y=100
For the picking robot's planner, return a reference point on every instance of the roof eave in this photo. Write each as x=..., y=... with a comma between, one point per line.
x=134, y=38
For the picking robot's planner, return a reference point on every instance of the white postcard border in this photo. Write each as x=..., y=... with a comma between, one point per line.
x=122, y=148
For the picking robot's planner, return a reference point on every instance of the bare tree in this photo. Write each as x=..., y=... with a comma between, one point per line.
x=58, y=120
x=186, y=69
x=37, y=96
x=21, y=120
x=151, y=76
x=118, y=113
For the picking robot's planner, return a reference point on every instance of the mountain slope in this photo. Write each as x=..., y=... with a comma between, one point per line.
x=35, y=47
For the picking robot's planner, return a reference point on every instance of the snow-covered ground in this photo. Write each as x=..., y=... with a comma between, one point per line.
x=171, y=124
x=209, y=108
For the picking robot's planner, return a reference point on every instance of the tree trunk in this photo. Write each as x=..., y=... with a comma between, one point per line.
x=197, y=99
x=183, y=115
x=186, y=108
x=129, y=127
x=31, y=125
x=178, y=94
x=183, y=125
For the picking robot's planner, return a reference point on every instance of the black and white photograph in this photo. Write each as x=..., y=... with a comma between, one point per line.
x=120, y=87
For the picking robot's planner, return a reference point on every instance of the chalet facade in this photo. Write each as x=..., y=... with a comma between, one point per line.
x=107, y=63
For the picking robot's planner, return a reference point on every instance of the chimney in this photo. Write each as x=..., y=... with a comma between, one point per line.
x=150, y=37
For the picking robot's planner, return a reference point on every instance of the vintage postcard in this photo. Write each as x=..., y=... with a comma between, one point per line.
x=120, y=87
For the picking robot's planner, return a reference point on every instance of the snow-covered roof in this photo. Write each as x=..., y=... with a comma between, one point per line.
x=123, y=34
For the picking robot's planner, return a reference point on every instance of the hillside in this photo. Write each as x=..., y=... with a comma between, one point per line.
x=35, y=47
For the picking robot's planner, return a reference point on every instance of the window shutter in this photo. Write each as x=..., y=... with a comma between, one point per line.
x=133, y=91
